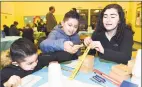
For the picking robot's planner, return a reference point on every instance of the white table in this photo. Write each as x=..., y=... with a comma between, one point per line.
x=7, y=41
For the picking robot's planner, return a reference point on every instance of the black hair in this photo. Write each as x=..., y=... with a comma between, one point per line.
x=5, y=26
x=51, y=7
x=71, y=14
x=121, y=26
x=21, y=49
x=74, y=9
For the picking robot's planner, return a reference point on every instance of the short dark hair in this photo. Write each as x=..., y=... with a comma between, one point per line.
x=74, y=9
x=15, y=23
x=51, y=7
x=4, y=25
x=21, y=49
x=71, y=14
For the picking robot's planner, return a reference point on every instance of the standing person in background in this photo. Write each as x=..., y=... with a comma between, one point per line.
x=50, y=20
x=113, y=39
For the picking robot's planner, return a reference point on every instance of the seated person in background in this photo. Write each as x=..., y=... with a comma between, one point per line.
x=6, y=30
x=34, y=27
x=2, y=34
x=13, y=31
x=38, y=26
x=28, y=33
x=25, y=61
x=41, y=26
x=64, y=37
x=112, y=39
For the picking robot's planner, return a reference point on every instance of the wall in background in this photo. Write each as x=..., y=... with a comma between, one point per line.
x=137, y=30
x=131, y=8
x=7, y=13
x=41, y=8
x=21, y=9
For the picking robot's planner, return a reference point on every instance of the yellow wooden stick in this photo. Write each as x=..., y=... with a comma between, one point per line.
x=80, y=61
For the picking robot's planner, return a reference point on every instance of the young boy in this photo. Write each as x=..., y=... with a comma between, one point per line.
x=64, y=37
x=25, y=61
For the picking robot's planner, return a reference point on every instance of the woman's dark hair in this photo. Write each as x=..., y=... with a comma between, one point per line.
x=121, y=26
x=21, y=49
x=71, y=14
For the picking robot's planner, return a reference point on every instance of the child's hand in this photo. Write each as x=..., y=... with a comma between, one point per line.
x=14, y=81
x=87, y=41
x=75, y=48
x=68, y=46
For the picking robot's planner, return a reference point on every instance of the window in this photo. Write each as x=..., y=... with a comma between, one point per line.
x=94, y=14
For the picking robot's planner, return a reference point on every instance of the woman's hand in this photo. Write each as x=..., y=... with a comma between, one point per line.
x=14, y=81
x=97, y=46
x=87, y=41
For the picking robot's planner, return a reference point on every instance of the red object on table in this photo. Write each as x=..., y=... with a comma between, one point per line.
x=108, y=77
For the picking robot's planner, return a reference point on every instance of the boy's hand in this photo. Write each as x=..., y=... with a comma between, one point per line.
x=14, y=81
x=68, y=46
x=75, y=48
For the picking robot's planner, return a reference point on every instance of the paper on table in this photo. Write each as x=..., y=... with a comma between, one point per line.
x=137, y=66
x=136, y=71
x=72, y=64
x=29, y=80
x=73, y=83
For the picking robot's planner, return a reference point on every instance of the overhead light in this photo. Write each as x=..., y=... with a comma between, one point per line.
x=30, y=21
x=77, y=11
x=96, y=11
x=25, y=18
x=44, y=19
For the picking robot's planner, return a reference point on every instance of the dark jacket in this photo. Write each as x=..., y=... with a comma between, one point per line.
x=13, y=31
x=119, y=52
x=6, y=30
x=28, y=33
x=43, y=60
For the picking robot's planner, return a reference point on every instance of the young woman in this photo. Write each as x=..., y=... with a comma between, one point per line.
x=113, y=39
